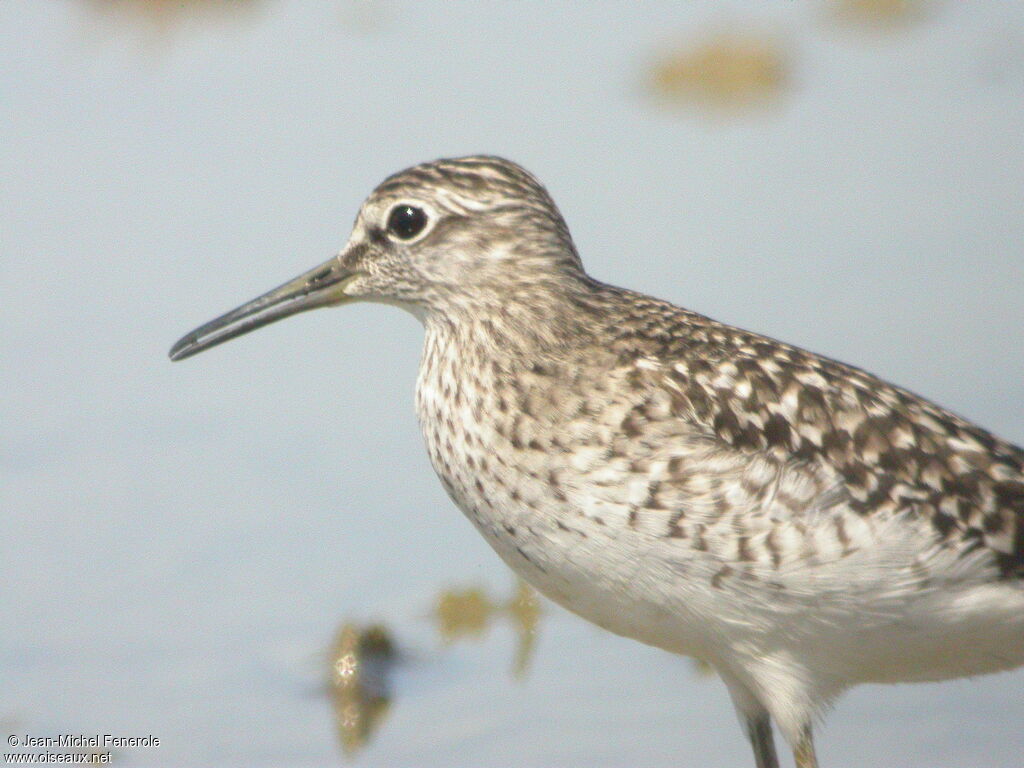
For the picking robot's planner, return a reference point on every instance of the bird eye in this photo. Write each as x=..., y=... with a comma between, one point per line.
x=406, y=221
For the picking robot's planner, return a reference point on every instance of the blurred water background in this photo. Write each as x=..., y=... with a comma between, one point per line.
x=247, y=555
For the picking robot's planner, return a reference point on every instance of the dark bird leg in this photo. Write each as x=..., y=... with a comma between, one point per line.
x=759, y=731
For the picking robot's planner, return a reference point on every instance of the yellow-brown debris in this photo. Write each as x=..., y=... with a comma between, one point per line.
x=726, y=70
x=879, y=14
x=360, y=662
x=463, y=613
x=162, y=14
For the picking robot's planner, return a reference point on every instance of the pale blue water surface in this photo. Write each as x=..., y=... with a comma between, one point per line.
x=180, y=542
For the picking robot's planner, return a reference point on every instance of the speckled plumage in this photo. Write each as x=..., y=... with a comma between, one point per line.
x=793, y=521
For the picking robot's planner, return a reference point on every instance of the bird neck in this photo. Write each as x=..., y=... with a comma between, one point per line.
x=535, y=318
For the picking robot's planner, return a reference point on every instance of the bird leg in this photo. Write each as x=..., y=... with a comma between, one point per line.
x=754, y=718
x=759, y=729
x=803, y=752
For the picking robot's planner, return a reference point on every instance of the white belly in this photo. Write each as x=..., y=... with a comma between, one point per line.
x=846, y=622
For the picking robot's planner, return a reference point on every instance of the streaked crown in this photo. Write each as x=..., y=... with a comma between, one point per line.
x=456, y=226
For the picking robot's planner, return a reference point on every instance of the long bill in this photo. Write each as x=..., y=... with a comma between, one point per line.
x=319, y=287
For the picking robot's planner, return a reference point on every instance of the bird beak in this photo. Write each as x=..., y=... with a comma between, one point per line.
x=320, y=287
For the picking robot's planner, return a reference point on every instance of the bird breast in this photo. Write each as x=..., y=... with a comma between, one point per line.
x=538, y=460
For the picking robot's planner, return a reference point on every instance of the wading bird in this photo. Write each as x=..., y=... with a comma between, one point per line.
x=796, y=523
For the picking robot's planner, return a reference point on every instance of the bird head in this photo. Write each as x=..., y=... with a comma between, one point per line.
x=431, y=239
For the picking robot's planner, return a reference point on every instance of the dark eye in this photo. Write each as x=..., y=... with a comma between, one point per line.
x=406, y=221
